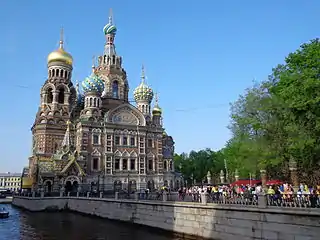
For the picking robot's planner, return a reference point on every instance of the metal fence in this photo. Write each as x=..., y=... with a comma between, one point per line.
x=281, y=201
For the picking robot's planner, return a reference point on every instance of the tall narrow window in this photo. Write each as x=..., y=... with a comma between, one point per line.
x=150, y=164
x=132, y=141
x=117, y=164
x=49, y=95
x=125, y=141
x=95, y=139
x=115, y=89
x=132, y=164
x=117, y=140
x=61, y=96
x=124, y=164
x=95, y=163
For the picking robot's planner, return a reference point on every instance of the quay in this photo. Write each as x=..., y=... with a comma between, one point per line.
x=6, y=200
x=197, y=220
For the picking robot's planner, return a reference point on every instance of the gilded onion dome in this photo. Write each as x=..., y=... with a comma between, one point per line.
x=143, y=92
x=93, y=83
x=156, y=111
x=60, y=55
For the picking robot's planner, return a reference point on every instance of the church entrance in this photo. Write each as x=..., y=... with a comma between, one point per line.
x=68, y=186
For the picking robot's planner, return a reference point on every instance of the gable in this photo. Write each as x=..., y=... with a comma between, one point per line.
x=126, y=114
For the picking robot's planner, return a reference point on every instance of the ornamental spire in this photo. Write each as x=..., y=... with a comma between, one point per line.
x=67, y=136
x=110, y=16
x=61, y=38
x=143, y=75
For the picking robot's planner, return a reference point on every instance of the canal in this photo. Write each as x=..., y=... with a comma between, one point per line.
x=23, y=225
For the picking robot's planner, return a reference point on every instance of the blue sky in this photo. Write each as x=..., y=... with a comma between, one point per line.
x=199, y=57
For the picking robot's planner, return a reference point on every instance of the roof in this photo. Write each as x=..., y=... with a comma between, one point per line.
x=9, y=174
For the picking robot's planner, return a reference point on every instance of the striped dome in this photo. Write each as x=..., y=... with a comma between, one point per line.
x=92, y=84
x=110, y=29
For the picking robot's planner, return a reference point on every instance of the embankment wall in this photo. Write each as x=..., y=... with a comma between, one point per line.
x=210, y=221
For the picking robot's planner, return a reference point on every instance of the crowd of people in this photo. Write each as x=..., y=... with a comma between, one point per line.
x=277, y=194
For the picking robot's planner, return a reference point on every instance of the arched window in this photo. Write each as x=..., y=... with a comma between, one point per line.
x=53, y=73
x=61, y=96
x=49, y=95
x=57, y=72
x=94, y=102
x=90, y=104
x=143, y=108
x=115, y=89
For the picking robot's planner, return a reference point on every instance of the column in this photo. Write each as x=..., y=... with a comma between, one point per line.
x=263, y=174
x=121, y=168
x=293, y=173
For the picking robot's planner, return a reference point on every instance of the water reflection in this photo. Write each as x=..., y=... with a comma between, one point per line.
x=55, y=226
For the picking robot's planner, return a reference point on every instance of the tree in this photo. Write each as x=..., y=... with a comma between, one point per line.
x=278, y=120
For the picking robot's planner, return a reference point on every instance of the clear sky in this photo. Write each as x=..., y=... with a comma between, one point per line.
x=199, y=56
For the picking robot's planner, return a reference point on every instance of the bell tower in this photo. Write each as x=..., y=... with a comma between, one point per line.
x=57, y=99
x=110, y=70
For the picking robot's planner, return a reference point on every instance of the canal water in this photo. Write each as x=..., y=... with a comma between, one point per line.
x=23, y=225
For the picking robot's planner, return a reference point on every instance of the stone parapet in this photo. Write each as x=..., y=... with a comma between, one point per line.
x=207, y=221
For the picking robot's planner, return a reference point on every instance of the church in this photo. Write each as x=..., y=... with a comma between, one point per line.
x=89, y=135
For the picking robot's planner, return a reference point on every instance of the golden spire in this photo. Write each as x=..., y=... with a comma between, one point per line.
x=61, y=39
x=143, y=76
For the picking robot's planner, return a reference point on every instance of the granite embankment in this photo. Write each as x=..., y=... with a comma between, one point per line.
x=210, y=221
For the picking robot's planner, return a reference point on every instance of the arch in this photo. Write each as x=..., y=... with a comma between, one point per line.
x=71, y=179
x=96, y=153
x=63, y=86
x=125, y=154
x=94, y=102
x=53, y=72
x=133, y=154
x=165, y=165
x=128, y=109
x=48, y=185
x=90, y=100
x=57, y=72
x=115, y=89
x=51, y=121
x=117, y=153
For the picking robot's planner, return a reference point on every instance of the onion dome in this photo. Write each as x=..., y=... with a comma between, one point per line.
x=110, y=28
x=143, y=92
x=156, y=111
x=93, y=84
x=60, y=55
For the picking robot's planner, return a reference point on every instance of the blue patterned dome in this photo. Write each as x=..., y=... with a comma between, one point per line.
x=92, y=84
x=110, y=29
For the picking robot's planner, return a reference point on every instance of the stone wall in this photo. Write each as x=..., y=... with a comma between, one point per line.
x=209, y=221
